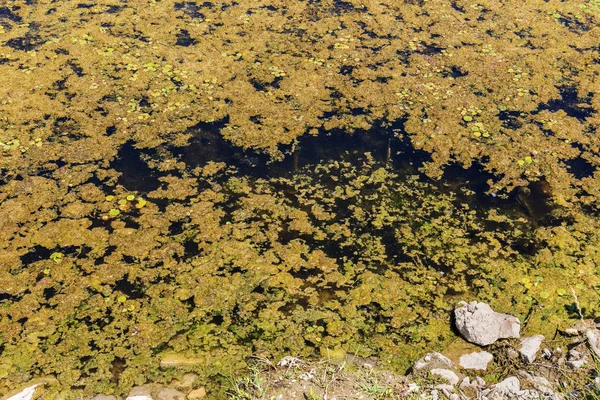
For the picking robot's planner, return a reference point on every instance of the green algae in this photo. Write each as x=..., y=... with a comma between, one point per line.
x=342, y=257
x=347, y=257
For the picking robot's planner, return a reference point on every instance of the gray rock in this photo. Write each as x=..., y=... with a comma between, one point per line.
x=465, y=383
x=475, y=383
x=25, y=394
x=431, y=361
x=539, y=383
x=529, y=347
x=139, y=397
x=547, y=354
x=529, y=394
x=449, y=376
x=576, y=359
x=510, y=386
x=479, y=324
x=446, y=388
x=478, y=361
x=143, y=392
x=170, y=394
x=478, y=382
x=542, y=385
x=593, y=338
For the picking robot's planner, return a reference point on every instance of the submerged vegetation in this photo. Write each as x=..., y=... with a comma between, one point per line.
x=162, y=210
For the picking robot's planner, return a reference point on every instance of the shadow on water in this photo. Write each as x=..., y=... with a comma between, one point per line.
x=386, y=144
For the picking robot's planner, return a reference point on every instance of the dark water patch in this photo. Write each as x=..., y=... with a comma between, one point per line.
x=130, y=289
x=26, y=43
x=207, y=145
x=580, y=168
x=49, y=293
x=474, y=179
x=456, y=72
x=184, y=39
x=570, y=102
x=36, y=253
x=116, y=369
x=340, y=7
x=6, y=13
x=431, y=50
x=114, y=9
x=510, y=119
x=536, y=199
x=454, y=5
x=574, y=25
x=109, y=250
x=385, y=143
x=136, y=175
x=10, y=298
x=76, y=68
x=190, y=249
x=192, y=9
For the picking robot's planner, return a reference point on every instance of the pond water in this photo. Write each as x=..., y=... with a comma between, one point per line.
x=200, y=183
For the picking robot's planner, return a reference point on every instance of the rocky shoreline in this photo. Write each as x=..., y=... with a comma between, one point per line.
x=435, y=376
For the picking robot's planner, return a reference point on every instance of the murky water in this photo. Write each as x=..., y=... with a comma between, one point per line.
x=206, y=182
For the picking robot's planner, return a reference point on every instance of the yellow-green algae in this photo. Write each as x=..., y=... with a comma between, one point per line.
x=345, y=257
x=277, y=70
x=216, y=267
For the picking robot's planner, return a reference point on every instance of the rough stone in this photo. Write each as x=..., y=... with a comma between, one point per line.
x=195, y=394
x=170, y=394
x=143, y=392
x=479, y=382
x=186, y=382
x=510, y=386
x=465, y=383
x=576, y=359
x=479, y=324
x=431, y=361
x=445, y=388
x=593, y=338
x=477, y=361
x=446, y=374
x=529, y=347
x=542, y=385
x=25, y=394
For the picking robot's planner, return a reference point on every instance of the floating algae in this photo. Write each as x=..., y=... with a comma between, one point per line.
x=218, y=257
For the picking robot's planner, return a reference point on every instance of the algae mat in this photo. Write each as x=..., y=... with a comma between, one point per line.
x=133, y=224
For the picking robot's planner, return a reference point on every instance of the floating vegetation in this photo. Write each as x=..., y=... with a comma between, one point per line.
x=155, y=205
